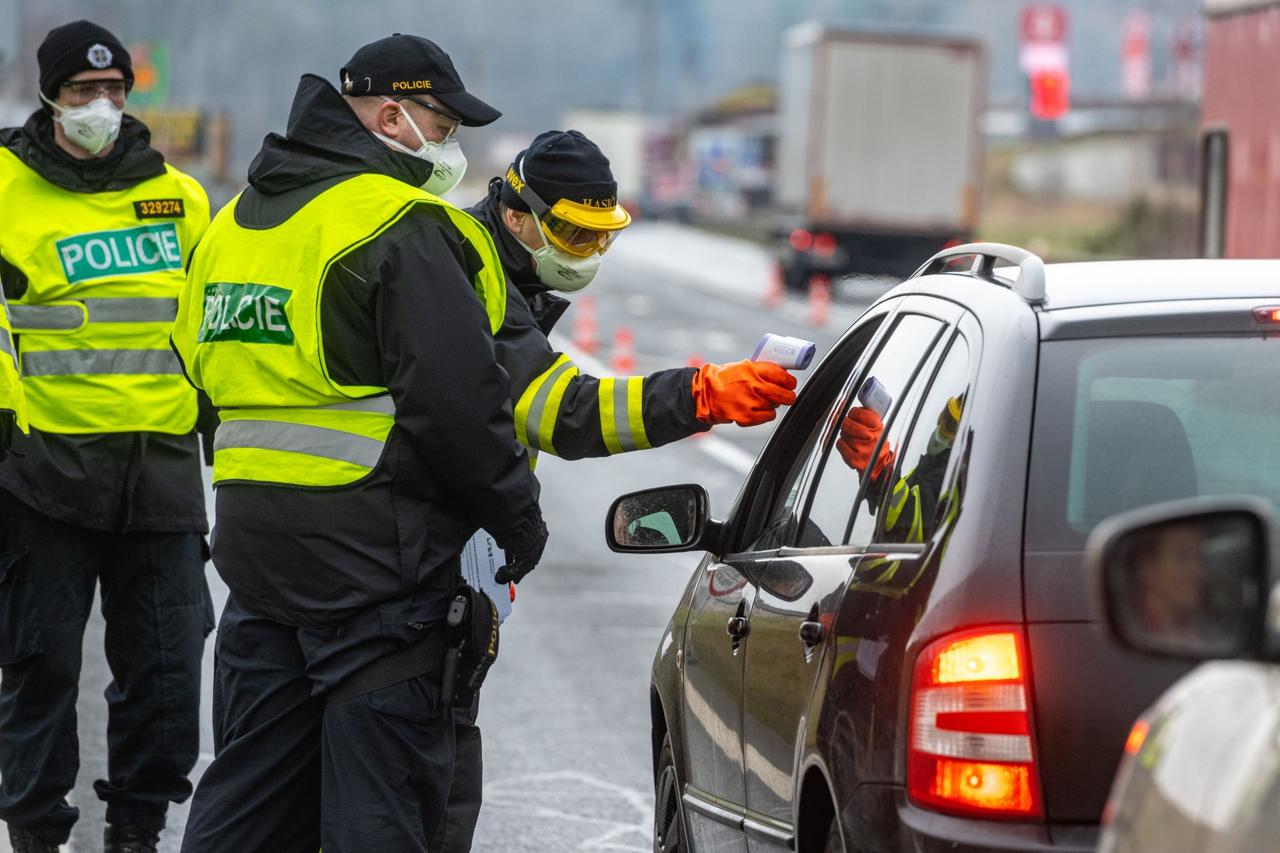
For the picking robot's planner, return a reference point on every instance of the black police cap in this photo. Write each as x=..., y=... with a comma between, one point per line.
x=411, y=65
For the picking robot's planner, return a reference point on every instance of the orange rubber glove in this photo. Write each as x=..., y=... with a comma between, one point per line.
x=745, y=392
x=859, y=433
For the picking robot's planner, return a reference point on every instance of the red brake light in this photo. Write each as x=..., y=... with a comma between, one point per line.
x=801, y=240
x=1268, y=315
x=970, y=749
x=1137, y=737
x=824, y=245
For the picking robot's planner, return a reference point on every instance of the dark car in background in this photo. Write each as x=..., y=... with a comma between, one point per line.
x=911, y=660
x=1197, y=580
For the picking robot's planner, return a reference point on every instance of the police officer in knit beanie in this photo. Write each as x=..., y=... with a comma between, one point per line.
x=562, y=164
x=79, y=46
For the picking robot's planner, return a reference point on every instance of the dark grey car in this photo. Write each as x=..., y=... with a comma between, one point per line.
x=911, y=660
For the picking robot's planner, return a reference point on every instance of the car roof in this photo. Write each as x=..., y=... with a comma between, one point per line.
x=1095, y=283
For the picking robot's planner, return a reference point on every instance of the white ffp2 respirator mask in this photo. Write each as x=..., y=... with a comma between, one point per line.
x=92, y=127
x=559, y=270
x=448, y=162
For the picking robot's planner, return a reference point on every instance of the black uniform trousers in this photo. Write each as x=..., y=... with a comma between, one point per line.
x=157, y=610
x=467, y=788
x=291, y=774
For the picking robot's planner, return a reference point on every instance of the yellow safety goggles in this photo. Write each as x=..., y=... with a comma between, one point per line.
x=572, y=227
x=949, y=418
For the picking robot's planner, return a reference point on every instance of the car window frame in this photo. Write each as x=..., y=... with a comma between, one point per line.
x=954, y=317
x=828, y=440
x=758, y=494
x=958, y=447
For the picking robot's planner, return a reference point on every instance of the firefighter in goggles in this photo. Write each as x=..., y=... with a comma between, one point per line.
x=573, y=215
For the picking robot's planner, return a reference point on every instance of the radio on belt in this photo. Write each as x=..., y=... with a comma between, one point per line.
x=791, y=353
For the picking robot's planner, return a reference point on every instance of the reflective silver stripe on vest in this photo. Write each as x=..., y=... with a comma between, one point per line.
x=299, y=438
x=381, y=404
x=622, y=415
x=130, y=310
x=62, y=318
x=80, y=362
x=42, y=318
x=6, y=345
x=534, y=419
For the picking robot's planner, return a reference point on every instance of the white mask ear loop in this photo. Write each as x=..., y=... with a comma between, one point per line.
x=413, y=124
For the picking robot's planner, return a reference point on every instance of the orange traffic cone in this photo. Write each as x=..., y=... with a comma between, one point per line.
x=624, y=351
x=586, y=328
x=819, y=300
x=774, y=289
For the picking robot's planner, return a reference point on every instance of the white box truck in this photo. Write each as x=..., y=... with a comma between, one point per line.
x=880, y=152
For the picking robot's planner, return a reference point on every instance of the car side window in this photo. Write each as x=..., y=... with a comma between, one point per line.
x=913, y=493
x=782, y=516
x=842, y=466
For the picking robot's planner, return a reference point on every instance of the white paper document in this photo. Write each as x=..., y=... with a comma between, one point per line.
x=481, y=559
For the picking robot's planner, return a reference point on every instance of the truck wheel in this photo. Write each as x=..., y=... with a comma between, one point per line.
x=668, y=833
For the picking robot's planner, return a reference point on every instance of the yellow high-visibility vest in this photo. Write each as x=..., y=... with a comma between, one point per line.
x=249, y=332
x=104, y=272
x=11, y=397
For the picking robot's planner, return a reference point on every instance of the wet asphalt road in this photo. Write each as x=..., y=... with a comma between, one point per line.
x=565, y=710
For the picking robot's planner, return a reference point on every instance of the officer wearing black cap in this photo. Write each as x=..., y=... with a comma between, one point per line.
x=340, y=317
x=553, y=216
x=106, y=489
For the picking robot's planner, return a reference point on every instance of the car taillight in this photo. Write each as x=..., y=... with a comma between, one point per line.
x=1268, y=316
x=824, y=245
x=1137, y=737
x=801, y=240
x=970, y=749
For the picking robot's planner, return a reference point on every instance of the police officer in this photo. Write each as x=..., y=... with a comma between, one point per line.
x=553, y=217
x=341, y=317
x=106, y=489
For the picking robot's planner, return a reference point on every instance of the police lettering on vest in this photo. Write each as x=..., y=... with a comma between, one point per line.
x=145, y=248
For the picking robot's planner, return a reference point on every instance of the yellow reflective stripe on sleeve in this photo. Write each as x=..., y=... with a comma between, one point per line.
x=551, y=412
x=529, y=407
x=607, y=430
x=635, y=412
x=897, y=501
x=622, y=414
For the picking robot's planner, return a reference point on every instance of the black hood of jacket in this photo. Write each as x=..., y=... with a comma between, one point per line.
x=130, y=162
x=517, y=262
x=325, y=141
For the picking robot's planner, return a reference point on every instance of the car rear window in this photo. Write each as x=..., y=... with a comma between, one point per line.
x=1121, y=424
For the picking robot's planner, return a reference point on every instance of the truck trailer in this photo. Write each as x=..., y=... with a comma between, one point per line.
x=880, y=159
x=1240, y=123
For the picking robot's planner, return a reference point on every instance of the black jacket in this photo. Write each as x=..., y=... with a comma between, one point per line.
x=666, y=403
x=398, y=312
x=121, y=482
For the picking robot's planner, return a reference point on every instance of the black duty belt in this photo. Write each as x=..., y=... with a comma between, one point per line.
x=424, y=657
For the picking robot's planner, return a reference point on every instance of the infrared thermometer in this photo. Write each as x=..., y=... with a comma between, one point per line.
x=791, y=353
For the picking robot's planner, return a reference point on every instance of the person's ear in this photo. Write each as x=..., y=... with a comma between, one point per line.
x=514, y=220
x=389, y=118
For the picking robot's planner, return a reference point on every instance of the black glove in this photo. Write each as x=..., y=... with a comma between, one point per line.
x=524, y=548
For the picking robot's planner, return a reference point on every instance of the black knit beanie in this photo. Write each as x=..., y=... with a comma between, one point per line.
x=78, y=46
x=562, y=164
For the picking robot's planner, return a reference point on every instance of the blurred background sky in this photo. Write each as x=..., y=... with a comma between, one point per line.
x=535, y=60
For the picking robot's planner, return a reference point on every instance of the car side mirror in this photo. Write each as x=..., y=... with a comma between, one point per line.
x=1187, y=579
x=666, y=519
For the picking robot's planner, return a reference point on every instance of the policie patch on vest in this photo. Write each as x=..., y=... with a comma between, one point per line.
x=249, y=313
x=159, y=208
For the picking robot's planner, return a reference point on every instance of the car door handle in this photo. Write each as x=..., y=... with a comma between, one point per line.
x=738, y=627
x=811, y=632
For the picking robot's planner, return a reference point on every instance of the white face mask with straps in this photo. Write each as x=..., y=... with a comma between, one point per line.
x=93, y=126
x=559, y=270
x=448, y=162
